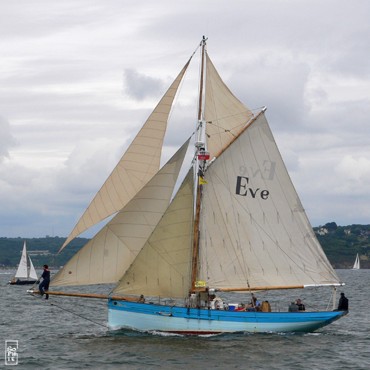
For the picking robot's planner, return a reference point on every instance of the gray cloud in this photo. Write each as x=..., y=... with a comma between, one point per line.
x=7, y=140
x=78, y=79
x=139, y=86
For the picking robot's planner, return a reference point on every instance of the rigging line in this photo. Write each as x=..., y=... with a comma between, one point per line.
x=331, y=298
x=76, y=314
x=71, y=312
x=182, y=83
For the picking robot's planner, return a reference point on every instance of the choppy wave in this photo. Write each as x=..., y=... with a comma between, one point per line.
x=56, y=334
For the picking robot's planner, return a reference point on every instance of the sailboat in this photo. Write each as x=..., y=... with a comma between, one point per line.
x=26, y=273
x=234, y=226
x=356, y=265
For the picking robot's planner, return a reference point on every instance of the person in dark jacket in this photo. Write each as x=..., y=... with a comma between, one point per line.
x=44, y=285
x=293, y=307
x=343, y=303
x=301, y=306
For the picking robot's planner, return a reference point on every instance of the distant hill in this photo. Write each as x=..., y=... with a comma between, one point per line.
x=340, y=243
x=42, y=250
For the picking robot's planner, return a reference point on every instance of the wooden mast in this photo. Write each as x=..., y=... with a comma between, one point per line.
x=195, y=259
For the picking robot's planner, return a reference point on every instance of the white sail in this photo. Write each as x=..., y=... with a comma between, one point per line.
x=254, y=231
x=163, y=266
x=25, y=271
x=225, y=115
x=356, y=265
x=22, y=270
x=139, y=164
x=106, y=257
x=32, y=271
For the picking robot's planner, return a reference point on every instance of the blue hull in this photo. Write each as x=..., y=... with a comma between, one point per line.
x=182, y=320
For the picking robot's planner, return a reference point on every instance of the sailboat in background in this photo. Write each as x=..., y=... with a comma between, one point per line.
x=356, y=265
x=235, y=225
x=26, y=273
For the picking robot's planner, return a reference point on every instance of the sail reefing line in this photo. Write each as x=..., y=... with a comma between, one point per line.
x=137, y=166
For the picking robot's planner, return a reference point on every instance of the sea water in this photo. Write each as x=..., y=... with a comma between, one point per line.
x=71, y=333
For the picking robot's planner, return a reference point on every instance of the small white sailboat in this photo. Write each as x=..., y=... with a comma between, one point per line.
x=356, y=265
x=26, y=273
x=236, y=224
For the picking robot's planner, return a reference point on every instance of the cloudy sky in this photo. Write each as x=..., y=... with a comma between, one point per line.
x=78, y=78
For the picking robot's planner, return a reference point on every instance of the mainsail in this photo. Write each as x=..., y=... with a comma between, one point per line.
x=138, y=165
x=254, y=231
x=106, y=257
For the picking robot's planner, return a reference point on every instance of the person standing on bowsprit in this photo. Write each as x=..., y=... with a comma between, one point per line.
x=44, y=285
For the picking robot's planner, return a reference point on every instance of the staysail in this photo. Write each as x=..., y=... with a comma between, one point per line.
x=32, y=270
x=138, y=165
x=162, y=268
x=106, y=257
x=254, y=230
